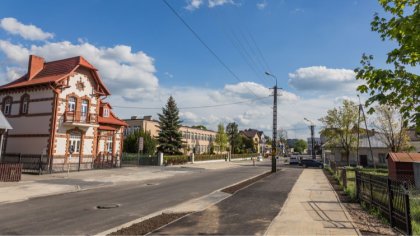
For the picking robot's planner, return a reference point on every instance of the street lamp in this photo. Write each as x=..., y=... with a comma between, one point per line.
x=312, y=138
x=274, y=143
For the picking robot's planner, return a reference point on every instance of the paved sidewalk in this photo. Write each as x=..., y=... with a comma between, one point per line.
x=312, y=208
x=57, y=183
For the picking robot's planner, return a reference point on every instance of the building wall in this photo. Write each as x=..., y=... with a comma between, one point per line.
x=30, y=130
x=339, y=156
x=193, y=138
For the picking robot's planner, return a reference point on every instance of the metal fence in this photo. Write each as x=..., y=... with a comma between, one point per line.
x=390, y=197
x=10, y=172
x=105, y=161
x=30, y=163
x=135, y=159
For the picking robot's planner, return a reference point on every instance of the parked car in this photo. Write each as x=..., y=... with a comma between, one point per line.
x=310, y=163
x=293, y=160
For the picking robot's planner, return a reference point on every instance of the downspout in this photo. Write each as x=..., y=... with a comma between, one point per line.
x=53, y=127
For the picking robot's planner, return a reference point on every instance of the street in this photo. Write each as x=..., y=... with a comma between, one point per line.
x=77, y=213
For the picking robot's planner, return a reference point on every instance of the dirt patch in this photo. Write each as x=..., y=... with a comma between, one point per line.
x=366, y=223
x=233, y=189
x=150, y=225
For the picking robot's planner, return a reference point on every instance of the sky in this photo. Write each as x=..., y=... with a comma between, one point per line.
x=145, y=54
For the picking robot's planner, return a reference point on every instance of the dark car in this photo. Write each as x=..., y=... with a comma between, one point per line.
x=310, y=163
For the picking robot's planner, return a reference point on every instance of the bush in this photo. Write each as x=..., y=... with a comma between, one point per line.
x=210, y=157
x=175, y=160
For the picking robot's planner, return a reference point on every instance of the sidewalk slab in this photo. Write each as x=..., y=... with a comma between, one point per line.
x=312, y=208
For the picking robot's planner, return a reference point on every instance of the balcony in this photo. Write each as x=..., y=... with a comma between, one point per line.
x=80, y=119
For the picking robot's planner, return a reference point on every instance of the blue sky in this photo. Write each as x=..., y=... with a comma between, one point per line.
x=311, y=46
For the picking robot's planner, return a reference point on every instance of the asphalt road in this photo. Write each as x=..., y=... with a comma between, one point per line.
x=248, y=212
x=77, y=213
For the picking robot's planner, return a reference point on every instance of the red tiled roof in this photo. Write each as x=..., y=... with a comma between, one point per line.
x=107, y=127
x=54, y=71
x=112, y=118
x=404, y=157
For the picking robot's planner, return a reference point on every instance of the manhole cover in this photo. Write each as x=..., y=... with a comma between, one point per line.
x=107, y=206
x=150, y=184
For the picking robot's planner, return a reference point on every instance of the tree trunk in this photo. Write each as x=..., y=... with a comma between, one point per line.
x=348, y=157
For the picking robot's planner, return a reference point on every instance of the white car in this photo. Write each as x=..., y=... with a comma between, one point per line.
x=260, y=158
x=293, y=160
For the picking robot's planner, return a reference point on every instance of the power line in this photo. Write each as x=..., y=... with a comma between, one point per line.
x=205, y=45
x=194, y=107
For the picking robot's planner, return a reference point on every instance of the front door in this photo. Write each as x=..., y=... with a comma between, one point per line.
x=363, y=160
x=75, y=140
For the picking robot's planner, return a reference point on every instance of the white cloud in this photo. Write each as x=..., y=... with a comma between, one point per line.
x=215, y=3
x=321, y=78
x=169, y=74
x=29, y=32
x=119, y=66
x=193, y=4
x=262, y=5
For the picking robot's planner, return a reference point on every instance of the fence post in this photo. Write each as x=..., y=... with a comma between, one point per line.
x=371, y=189
x=407, y=213
x=390, y=202
x=344, y=177
x=20, y=157
x=40, y=165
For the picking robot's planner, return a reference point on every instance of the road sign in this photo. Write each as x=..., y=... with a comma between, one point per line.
x=141, y=143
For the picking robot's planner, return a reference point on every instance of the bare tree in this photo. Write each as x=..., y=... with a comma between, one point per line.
x=391, y=128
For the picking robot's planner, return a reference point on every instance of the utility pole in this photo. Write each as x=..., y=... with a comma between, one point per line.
x=274, y=143
x=312, y=127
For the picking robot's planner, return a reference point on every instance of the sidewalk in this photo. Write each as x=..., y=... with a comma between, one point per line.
x=312, y=208
x=57, y=183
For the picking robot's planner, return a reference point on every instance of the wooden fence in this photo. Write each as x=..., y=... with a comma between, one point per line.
x=389, y=196
x=10, y=172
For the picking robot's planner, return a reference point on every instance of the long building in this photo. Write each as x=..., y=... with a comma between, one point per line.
x=195, y=140
x=56, y=111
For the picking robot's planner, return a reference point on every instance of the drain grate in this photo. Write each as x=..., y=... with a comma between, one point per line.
x=107, y=206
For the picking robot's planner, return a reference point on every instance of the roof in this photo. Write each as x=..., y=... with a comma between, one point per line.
x=250, y=133
x=4, y=124
x=404, y=157
x=41, y=72
x=107, y=127
x=112, y=119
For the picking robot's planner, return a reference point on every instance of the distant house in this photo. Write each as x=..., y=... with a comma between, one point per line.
x=57, y=105
x=400, y=166
x=194, y=139
x=364, y=158
x=414, y=139
x=256, y=136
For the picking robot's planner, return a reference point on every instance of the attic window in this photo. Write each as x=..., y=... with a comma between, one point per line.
x=106, y=112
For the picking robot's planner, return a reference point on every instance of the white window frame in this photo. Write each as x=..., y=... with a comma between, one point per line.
x=7, y=106
x=106, y=112
x=25, y=105
x=71, y=104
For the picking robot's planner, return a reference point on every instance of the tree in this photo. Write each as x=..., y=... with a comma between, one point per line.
x=391, y=128
x=233, y=136
x=338, y=127
x=221, y=138
x=247, y=144
x=395, y=86
x=169, y=136
x=300, y=146
x=202, y=127
x=131, y=143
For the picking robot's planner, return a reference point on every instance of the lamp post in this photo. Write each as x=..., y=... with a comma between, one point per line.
x=312, y=138
x=274, y=143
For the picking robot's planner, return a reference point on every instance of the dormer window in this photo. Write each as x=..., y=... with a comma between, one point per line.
x=24, y=104
x=106, y=112
x=7, y=105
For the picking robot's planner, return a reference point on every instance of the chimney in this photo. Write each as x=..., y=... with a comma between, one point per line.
x=35, y=65
x=147, y=117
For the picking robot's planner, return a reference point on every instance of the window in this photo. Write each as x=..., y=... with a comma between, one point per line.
x=382, y=157
x=106, y=112
x=7, y=106
x=71, y=104
x=74, y=141
x=84, y=110
x=109, y=142
x=25, y=104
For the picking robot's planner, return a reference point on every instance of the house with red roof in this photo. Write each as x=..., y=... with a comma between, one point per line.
x=57, y=111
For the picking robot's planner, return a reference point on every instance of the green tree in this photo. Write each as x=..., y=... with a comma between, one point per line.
x=300, y=146
x=169, y=136
x=396, y=86
x=233, y=136
x=391, y=128
x=221, y=138
x=247, y=144
x=202, y=127
x=339, y=125
x=131, y=143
